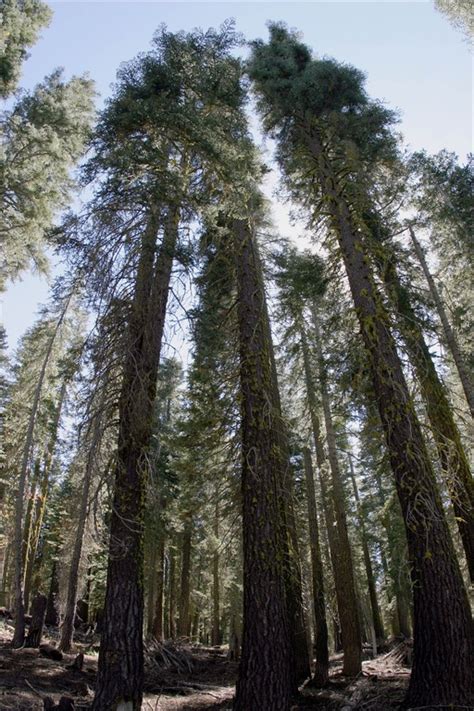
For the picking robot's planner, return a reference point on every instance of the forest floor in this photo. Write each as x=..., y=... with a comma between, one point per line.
x=183, y=678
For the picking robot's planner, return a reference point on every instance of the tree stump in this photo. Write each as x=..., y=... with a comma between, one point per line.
x=38, y=614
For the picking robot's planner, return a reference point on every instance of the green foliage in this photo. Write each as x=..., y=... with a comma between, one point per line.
x=300, y=277
x=442, y=194
x=296, y=91
x=43, y=137
x=21, y=21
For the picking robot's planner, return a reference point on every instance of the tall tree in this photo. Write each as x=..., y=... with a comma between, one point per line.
x=327, y=127
x=175, y=106
x=302, y=282
x=451, y=452
x=264, y=673
x=50, y=338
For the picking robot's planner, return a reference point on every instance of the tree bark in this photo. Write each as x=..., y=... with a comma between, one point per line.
x=443, y=647
x=374, y=604
x=321, y=672
x=120, y=669
x=264, y=677
x=449, y=335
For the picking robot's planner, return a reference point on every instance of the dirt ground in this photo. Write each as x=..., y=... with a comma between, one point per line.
x=184, y=678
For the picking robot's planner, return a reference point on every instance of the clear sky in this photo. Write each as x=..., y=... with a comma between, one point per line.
x=414, y=60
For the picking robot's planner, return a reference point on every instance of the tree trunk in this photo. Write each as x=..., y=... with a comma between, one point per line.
x=172, y=594
x=443, y=646
x=19, y=633
x=160, y=586
x=453, y=459
x=151, y=587
x=37, y=520
x=67, y=628
x=350, y=655
x=321, y=672
x=27, y=528
x=345, y=583
x=264, y=676
x=52, y=611
x=299, y=667
x=38, y=614
x=374, y=604
x=449, y=335
x=184, y=617
x=120, y=669
x=215, y=629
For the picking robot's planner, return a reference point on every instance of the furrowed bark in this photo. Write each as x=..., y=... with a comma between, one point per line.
x=264, y=677
x=120, y=670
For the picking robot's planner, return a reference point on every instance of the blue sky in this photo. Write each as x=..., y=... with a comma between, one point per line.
x=414, y=60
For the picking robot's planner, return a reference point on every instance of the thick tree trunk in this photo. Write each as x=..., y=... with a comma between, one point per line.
x=120, y=671
x=443, y=646
x=184, y=615
x=264, y=677
x=19, y=633
x=346, y=592
x=453, y=459
x=321, y=672
x=462, y=368
x=300, y=667
x=374, y=603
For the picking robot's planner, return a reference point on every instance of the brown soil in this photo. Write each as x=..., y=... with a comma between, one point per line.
x=183, y=678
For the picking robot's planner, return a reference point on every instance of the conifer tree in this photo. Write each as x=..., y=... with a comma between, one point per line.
x=168, y=126
x=327, y=127
x=22, y=20
x=44, y=135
